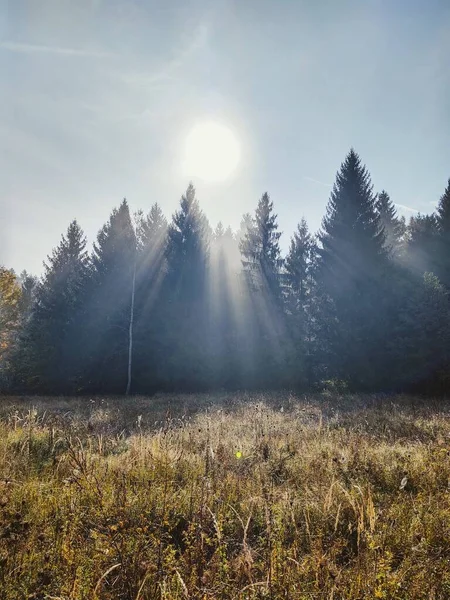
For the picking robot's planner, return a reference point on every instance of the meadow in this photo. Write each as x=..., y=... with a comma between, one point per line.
x=225, y=496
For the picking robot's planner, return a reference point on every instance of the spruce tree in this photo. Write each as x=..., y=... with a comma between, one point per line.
x=422, y=244
x=50, y=350
x=352, y=278
x=265, y=324
x=185, y=295
x=443, y=245
x=110, y=293
x=224, y=299
x=219, y=232
x=299, y=289
x=260, y=249
x=151, y=232
x=419, y=345
x=28, y=284
x=394, y=227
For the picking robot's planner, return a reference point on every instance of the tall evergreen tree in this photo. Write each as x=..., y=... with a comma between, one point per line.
x=394, y=227
x=443, y=249
x=110, y=293
x=262, y=263
x=28, y=284
x=352, y=280
x=151, y=233
x=50, y=351
x=419, y=345
x=260, y=248
x=299, y=288
x=224, y=302
x=244, y=226
x=219, y=232
x=422, y=244
x=186, y=253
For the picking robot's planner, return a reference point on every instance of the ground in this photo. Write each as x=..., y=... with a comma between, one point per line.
x=225, y=497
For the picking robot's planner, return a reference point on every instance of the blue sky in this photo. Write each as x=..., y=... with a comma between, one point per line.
x=97, y=97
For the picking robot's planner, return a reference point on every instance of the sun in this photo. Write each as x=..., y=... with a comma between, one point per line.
x=212, y=152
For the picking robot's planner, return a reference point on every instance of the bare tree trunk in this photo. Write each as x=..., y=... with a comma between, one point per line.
x=130, y=332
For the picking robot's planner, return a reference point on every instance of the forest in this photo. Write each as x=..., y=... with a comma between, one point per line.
x=179, y=306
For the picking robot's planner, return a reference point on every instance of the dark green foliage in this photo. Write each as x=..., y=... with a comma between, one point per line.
x=394, y=227
x=262, y=263
x=151, y=232
x=185, y=315
x=260, y=249
x=299, y=290
x=49, y=351
x=109, y=293
x=419, y=347
x=443, y=224
x=28, y=285
x=352, y=279
x=363, y=304
x=224, y=309
x=422, y=241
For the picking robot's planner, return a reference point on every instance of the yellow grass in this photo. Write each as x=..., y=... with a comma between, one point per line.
x=224, y=496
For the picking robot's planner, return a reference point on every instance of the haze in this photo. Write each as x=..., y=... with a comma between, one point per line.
x=97, y=98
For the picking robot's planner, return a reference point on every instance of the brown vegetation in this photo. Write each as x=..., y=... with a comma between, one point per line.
x=240, y=496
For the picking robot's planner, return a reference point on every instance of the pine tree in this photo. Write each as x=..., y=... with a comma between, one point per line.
x=223, y=299
x=352, y=279
x=110, y=293
x=151, y=242
x=394, y=227
x=244, y=226
x=299, y=288
x=219, y=232
x=298, y=265
x=151, y=231
x=187, y=254
x=28, y=284
x=50, y=351
x=260, y=249
x=422, y=244
x=265, y=323
x=419, y=345
x=443, y=245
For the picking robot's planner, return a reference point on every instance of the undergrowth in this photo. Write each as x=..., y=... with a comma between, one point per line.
x=224, y=497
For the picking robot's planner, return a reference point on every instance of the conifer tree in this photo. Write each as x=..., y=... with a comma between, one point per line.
x=260, y=249
x=244, y=226
x=110, y=294
x=223, y=299
x=394, y=227
x=299, y=289
x=219, y=232
x=187, y=254
x=351, y=276
x=419, y=345
x=50, y=350
x=28, y=284
x=262, y=263
x=422, y=244
x=151, y=232
x=443, y=246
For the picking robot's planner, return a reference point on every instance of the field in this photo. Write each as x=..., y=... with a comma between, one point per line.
x=225, y=497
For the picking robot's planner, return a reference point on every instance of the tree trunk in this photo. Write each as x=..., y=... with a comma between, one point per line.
x=130, y=332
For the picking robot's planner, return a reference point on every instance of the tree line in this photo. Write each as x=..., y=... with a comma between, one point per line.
x=175, y=305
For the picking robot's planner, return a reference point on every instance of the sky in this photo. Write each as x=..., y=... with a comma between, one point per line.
x=97, y=98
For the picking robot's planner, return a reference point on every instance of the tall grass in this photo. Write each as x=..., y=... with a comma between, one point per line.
x=224, y=497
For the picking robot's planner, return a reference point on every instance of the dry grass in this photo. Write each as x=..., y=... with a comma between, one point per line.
x=224, y=497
